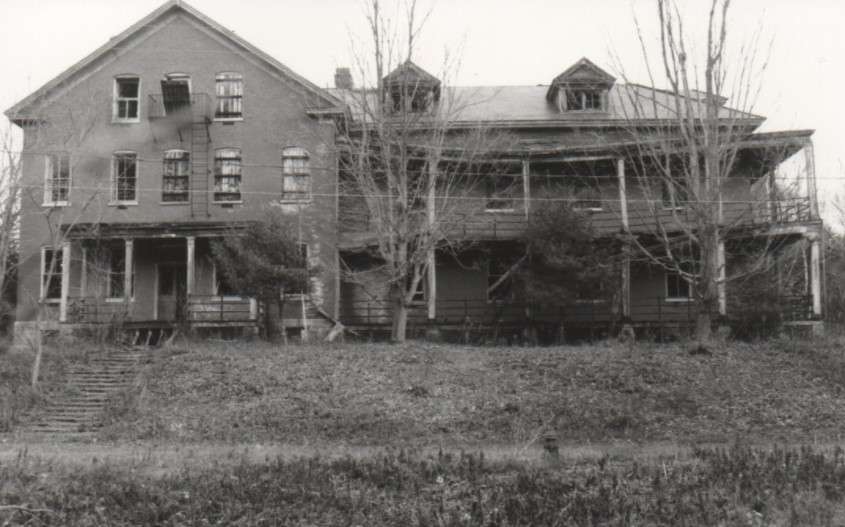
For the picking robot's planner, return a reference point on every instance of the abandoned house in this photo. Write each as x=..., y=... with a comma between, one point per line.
x=177, y=131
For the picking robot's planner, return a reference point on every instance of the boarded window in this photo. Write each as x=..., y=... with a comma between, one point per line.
x=227, y=174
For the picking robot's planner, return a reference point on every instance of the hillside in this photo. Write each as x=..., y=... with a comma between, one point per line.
x=423, y=394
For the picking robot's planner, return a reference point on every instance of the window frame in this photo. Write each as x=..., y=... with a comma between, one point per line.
x=219, y=175
x=421, y=294
x=57, y=274
x=305, y=254
x=674, y=275
x=114, y=249
x=115, y=182
x=50, y=180
x=215, y=281
x=117, y=99
x=220, y=78
x=510, y=295
x=166, y=161
x=301, y=153
x=491, y=194
x=580, y=95
x=669, y=195
x=587, y=194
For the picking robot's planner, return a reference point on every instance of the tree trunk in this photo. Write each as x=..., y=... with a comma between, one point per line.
x=400, y=320
x=702, y=326
x=271, y=318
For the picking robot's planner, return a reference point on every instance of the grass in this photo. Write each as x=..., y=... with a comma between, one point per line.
x=19, y=402
x=737, y=486
x=420, y=394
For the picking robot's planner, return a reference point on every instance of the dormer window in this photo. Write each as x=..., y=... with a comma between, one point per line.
x=583, y=99
x=409, y=88
x=584, y=87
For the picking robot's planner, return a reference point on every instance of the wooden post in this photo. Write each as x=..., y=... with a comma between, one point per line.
x=815, y=275
x=83, y=278
x=526, y=186
x=623, y=193
x=431, y=258
x=810, y=166
x=189, y=273
x=721, y=285
x=127, y=269
x=65, y=281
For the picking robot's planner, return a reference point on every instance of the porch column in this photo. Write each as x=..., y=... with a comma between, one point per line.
x=128, y=263
x=810, y=167
x=721, y=285
x=816, y=274
x=431, y=259
x=626, y=283
x=65, y=281
x=623, y=193
x=189, y=273
x=526, y=186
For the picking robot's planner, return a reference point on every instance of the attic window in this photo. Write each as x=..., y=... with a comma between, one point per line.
x=126, y=99
x=584, y=99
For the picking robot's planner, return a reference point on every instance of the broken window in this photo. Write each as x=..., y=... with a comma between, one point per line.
x=51, y=274
x=227, y=174
x=125, y=177
x=230, y=95
x=177, y=169
x=57, y=180
x=126, y=99
x=296, y=175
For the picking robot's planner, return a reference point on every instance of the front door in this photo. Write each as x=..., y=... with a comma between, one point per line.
x=172, y=292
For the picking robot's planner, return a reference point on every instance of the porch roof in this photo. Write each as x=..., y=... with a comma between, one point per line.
x=78, y=231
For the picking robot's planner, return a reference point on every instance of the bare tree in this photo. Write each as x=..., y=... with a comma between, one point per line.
x=10, y=195
x=687, y=148
x=405, y=155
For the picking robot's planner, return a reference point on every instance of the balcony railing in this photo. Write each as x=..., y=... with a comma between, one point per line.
x=194, y=108
x=211, y=310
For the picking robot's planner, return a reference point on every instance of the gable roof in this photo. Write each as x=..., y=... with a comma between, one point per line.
x=19, y=110
x=582, y=72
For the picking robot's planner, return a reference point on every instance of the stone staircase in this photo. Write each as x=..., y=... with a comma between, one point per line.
x=74, y=408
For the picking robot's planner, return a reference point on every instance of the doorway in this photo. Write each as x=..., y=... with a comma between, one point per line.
x=171, y=292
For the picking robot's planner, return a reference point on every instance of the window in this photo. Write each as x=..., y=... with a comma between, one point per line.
x=57, y=180
x=583, y=99
x=673, y=194
x=126, y=99
x=677, y=288
x=177, y=168
x=51, y=274
x=116, y=255
x=499, y=283
x=296, y=175
x=125, y=177
x=500, y=193
x=302, y=263
x=230, y=96
x=227, y=174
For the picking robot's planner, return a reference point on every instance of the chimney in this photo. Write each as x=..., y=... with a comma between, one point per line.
x=343, y=79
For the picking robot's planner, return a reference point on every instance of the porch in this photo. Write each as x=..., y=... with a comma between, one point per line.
x=143, y=279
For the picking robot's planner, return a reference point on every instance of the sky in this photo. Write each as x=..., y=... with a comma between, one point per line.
x=499, y=42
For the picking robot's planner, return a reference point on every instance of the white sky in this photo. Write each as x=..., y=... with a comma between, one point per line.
x=503, y=42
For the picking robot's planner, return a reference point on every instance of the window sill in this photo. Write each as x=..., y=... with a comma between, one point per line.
x=51, y=301
x=670, y=208
x=126, y=121
x=233, y=202
x=169, y=203
x=123, y=203
x=294, y=201
x=500, y=211
x=227, y=298
x=117, y=300
x=588, y=209
x=228, y=119
x=678, y=300
x=56, y=204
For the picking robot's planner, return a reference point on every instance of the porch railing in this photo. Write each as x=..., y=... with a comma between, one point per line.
x=221, y=309
x=98, y=310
